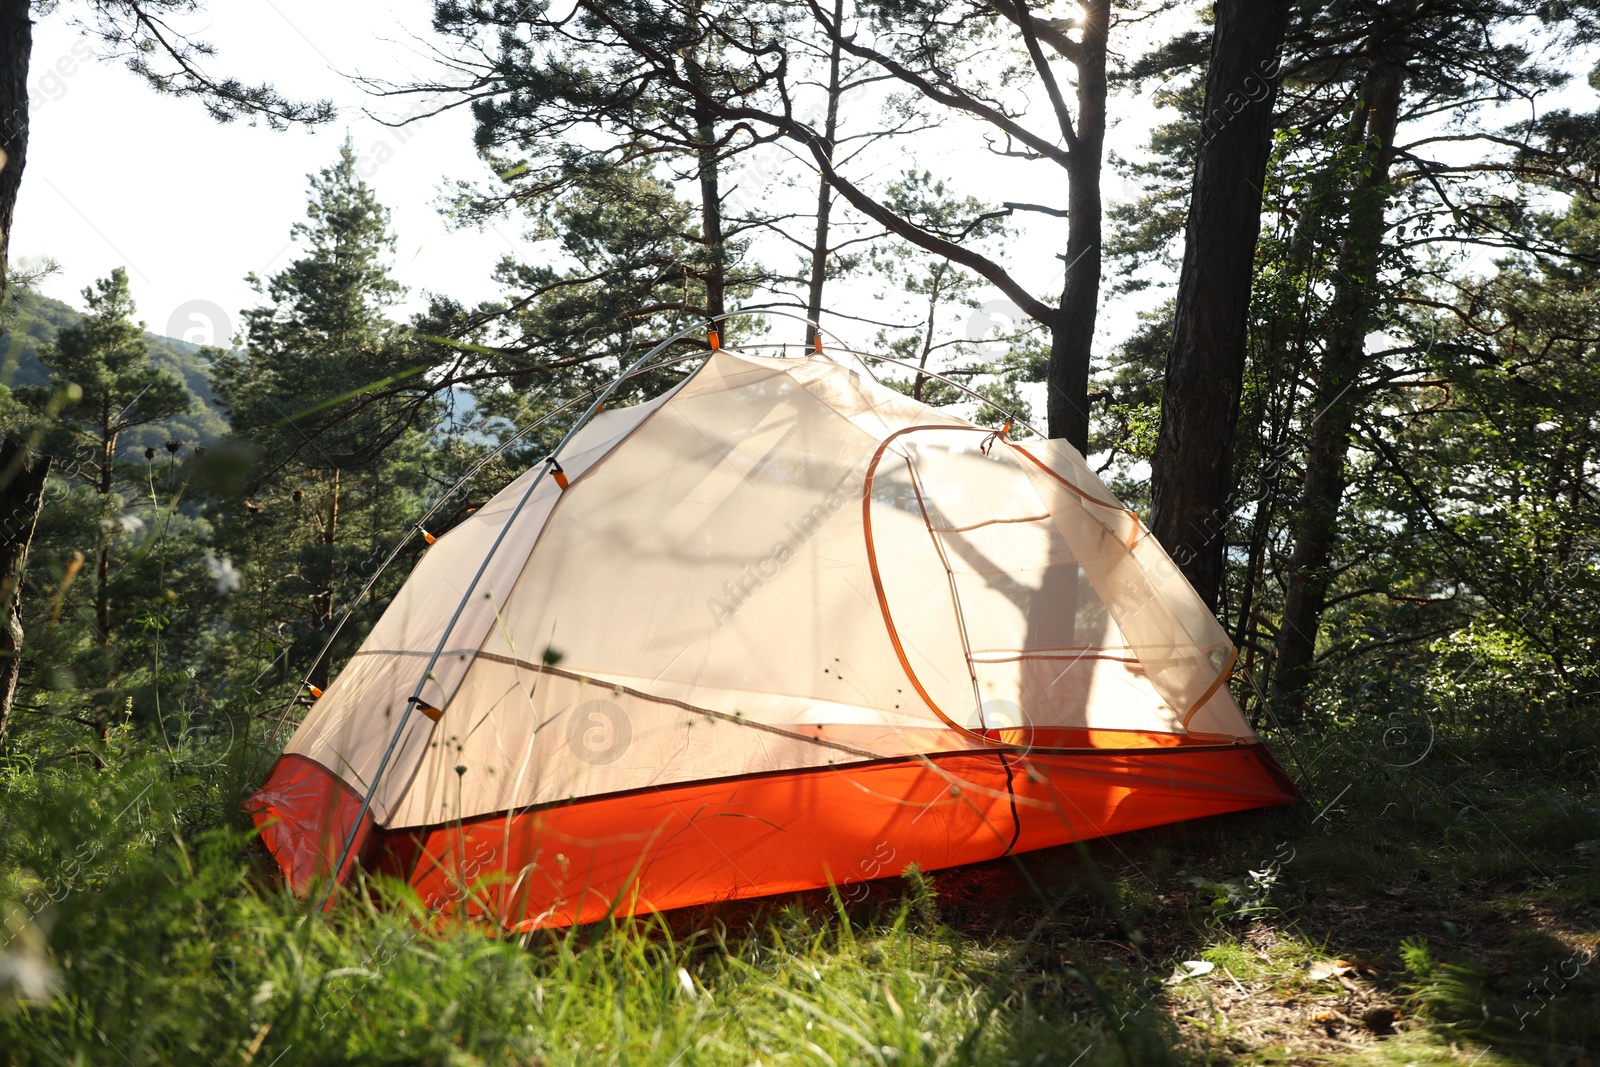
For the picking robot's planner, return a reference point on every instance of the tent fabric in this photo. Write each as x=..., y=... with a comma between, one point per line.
x=782, y=619
x=309, y=814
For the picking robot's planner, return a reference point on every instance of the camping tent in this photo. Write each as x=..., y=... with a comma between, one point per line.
x=779, y=627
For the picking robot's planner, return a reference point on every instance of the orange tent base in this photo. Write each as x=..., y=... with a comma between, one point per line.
x=671, y=847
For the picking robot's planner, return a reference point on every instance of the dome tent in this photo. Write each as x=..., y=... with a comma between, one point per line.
x=777, y=628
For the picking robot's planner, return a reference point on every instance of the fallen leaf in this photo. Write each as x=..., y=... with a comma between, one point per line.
x=1323, y=970
x=1191, y=969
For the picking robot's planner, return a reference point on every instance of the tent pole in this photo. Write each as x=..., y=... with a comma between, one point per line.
x=420, y=525
x=485, y=461
x=864, y=356
x=1305, y=776
x=416, y=695
x=466, y=598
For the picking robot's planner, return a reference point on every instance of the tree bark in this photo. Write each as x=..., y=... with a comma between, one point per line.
x=830, y=130
x=1338, y=393
x=322, y=599
x=102, y=573
x=1191, y=472
x=1072, y=336
x=705, y=126
x=711, y=216
x=16, y=47
x=22, y=481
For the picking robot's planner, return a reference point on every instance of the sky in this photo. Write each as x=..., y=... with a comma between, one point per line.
x=118, y=175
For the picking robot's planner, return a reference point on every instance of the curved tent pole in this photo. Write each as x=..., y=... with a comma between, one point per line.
x=864, y=356
x=420, y=525
x=638, y=366
x=417, y=527
x=466, y=598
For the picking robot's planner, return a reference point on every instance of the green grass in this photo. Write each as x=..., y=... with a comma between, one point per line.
x=195, y=967
x=167, y=946
x=136, y=894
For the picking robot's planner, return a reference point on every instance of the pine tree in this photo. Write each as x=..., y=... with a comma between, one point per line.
x=336, y=451
x=732, y=76
x=322, y=335
x=561, y=102
x=1192, y=467
x=940, y=287
x=103, y=366
x=1393, y=153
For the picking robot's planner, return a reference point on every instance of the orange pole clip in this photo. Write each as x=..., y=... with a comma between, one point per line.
x=427, y=709
x=1006, y=428
x=557, y=473
x=316, y=694
x=816, y=341
x=716, y=342
x=428, y=537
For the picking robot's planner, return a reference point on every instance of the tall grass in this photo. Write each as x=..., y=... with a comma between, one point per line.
x=142, y=926
x=140, y=930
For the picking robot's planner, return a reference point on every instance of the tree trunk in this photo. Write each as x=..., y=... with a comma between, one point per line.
x=1191, y=472
x=21, y=493
x=322, y=600
x=16, y=47
x=935, y=291
x=1072, y=339
x=711, y=215
x=102, y=573
x=705, y=134
x=819, y=245
x=1338, y=392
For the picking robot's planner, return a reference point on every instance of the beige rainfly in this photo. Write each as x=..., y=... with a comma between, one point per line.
x=780, y=627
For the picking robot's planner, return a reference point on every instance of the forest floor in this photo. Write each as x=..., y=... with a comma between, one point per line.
x=1362, y=944
x=1420, y=906
x=1401, y=914
x=1429, y=902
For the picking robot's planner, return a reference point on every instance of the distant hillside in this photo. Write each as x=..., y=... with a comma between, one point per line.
x=36, y=320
